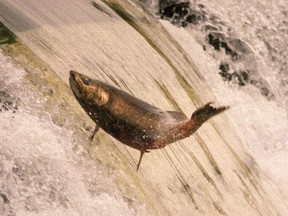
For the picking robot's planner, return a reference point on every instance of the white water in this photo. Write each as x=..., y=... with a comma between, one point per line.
x=42, y=170
x=261, y=123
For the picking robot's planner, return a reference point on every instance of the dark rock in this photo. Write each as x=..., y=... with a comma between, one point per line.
x=175, y=8
x=218, y=41
x=191, y=18
x=180, y=13
x=184, y=24
x=245, y=75
x=241, y=77
x=215, y=39
x=224, y=67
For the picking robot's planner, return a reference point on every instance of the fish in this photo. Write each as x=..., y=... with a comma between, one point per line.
x=132, y=121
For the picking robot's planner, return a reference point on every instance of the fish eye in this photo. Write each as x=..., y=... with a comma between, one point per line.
x=86, y=81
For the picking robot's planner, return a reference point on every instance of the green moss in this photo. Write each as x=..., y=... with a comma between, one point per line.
x=6, y=36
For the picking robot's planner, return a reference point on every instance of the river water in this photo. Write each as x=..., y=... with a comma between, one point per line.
x=239, y=58
x=239, y=37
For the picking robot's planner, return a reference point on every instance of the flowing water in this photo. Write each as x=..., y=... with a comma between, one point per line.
x=175, y=56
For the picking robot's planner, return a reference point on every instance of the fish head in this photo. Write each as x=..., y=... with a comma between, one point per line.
x=88, y=91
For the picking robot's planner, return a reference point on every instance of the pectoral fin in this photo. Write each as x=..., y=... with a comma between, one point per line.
x=94, y=132
x=141, y=155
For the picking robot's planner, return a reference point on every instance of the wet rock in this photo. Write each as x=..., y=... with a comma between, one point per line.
x=196, y=16
x=244, y=76
x=218, y=41
x=224, y=72
x=170, y=8
x=175, y=12
x=221, y=38
x=240, y=77
x=181, y=13
x=180, y=9
x=184, y=14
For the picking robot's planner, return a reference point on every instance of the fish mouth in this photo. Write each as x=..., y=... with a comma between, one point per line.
x=73, y=75
x=73, y=84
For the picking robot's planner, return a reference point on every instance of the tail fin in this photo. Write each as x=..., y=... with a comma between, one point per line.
x=206, y=112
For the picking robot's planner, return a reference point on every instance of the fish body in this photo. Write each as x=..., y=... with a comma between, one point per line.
x=132, y=121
